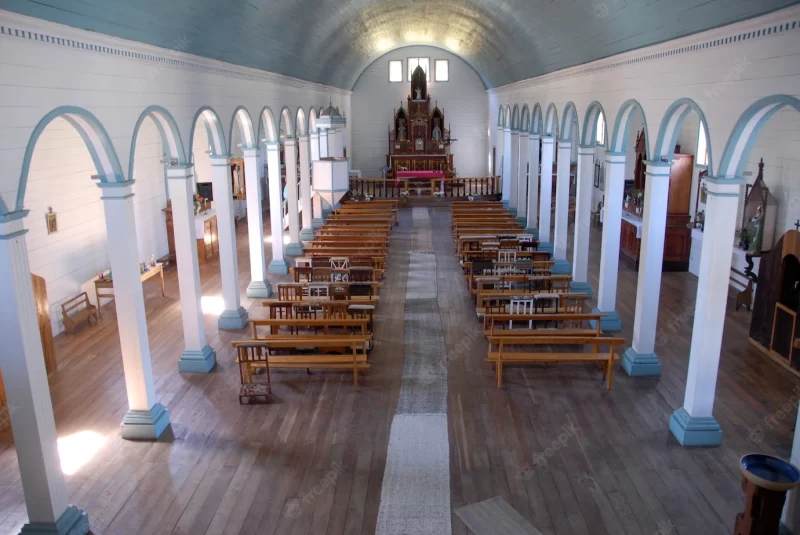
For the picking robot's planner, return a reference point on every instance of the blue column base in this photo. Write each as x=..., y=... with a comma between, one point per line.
x=561, y=267
x=641, y=364
x=611, y=323
x=513, y=211
x=259, y=289
x=317, y=222
x=694, y=431
x=546, y=246
x=73, y=521
x=294, y=249
x=145, y=425
x=505, y=204
x=232, y=320
x=307, y=234
x=581, y=288
x=533, y=231
x=522, y=221
x=202, y=361
x=278, y=267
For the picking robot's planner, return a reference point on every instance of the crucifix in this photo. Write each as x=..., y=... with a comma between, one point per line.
x=797, y=225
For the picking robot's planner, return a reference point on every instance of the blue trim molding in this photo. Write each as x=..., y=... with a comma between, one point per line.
x=522, y=220
x=621, y=145
x=673, y=135
x=259, y=289
x=215, y=151
x=701, y=431
x=307, y=234
x=641, y=364
x=581, y=287
x=278, y=267
x=232, y=320
x=611, y=323
x=202, y=361
x=561, y=266
x=566, y=122
x=73, y=521
x=294, y=249
x=145, y=425
x=546, y=246
x=533, y=232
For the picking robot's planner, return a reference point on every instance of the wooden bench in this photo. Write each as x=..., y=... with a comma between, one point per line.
x=295, y=324
x=566, y=324
x=294, y=353
x=76, y=310
x=499, y=354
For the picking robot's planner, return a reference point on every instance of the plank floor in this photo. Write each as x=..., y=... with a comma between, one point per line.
x=570, y=457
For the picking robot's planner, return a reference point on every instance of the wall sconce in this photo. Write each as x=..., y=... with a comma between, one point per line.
x=52, y=224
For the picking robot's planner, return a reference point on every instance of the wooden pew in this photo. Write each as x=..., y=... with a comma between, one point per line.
x=563, y=324
x=358, y=325
x=354, y=359
x=499, y=354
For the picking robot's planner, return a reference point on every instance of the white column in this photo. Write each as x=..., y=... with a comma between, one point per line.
x=546, y=195
x=146, y=418
x=694, y=424
x=562, y=208
x=290, y=154
x=498, y=150
x=609, y=251
x=259, y=286
x=197, y=357
x=533, y=186
x=28, y=393
x=314, y=145
x=323, y=144
x=522, y=181
x=791, y=512
x=513, y=200
x=583, y=212
x=307, y=233
x=641, y=359
x=277, y=264
x=507, y=167
x=234, y=316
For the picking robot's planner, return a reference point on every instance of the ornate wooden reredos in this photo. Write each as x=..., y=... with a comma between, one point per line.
x=419, y=131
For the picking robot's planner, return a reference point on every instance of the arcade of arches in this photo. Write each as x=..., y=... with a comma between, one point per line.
x=235, y=301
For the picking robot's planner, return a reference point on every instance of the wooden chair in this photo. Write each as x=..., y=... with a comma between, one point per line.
x=340, y=292
x=77, y=309
x=303, y=274
x=316, y=290
x=253, y=355
x=288, y=291
x=521, y=306
x=507, y=255
x=339, y=262
x=340, y=275
x=361, y=274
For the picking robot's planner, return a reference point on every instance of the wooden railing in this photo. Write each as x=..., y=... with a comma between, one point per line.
x=425, y=187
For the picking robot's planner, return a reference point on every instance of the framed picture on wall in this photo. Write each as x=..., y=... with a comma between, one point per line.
x=597, y=174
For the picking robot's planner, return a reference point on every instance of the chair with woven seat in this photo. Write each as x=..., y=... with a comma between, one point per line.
x=252, y=355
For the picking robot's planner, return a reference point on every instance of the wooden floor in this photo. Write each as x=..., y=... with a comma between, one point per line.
x=569, y=456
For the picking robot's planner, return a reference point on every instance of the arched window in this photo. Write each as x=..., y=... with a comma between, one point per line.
x=702, y=146
x=600, y=137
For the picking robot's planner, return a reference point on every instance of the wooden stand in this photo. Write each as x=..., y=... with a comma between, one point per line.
x=762, y=510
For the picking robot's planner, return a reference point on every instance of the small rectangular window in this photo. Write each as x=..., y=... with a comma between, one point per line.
x=442, y=73
x=422, y=62
x=601, y=129
x=702, y=146
x=396, y=70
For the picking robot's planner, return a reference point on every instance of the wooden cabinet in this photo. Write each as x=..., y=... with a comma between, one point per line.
x=677, y=235
x=208, y=245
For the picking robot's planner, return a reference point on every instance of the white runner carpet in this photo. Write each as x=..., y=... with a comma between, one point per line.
x=415, y=496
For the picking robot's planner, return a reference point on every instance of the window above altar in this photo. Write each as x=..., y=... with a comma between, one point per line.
x=425, y=63
x=442, y=71
x=395, y=70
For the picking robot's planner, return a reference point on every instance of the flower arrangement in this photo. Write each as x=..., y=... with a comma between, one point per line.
x=199, y=204
x=438, y=193
x=404, y=196
x=367, y=197
x=471, y=196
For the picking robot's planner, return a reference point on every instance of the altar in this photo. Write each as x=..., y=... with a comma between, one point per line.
x=418, y=139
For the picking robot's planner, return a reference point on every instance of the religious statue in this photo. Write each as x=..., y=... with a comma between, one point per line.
x=437, y=131
x=418, y=92
x=401, y=132
x=756, y=227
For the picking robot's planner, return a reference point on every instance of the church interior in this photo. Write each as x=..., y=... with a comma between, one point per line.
x=400, y=268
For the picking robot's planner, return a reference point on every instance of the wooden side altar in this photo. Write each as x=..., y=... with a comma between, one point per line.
x=418, y=139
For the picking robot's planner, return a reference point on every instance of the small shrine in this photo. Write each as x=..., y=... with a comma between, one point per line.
x=418, y=138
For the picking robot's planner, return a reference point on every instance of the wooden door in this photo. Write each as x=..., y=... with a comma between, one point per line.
x=43, y=318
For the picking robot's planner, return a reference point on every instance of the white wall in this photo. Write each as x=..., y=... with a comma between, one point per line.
x=462, y=99
x=46, y=66
x=723, y=78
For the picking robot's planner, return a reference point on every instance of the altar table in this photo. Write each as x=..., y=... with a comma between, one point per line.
x=433, y=176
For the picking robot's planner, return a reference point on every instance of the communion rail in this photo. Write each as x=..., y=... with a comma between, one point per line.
x=452, y=187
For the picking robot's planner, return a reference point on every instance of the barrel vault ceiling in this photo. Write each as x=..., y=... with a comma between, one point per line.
x=333, y=41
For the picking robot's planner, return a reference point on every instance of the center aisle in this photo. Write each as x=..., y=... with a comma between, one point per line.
x=415, y=497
